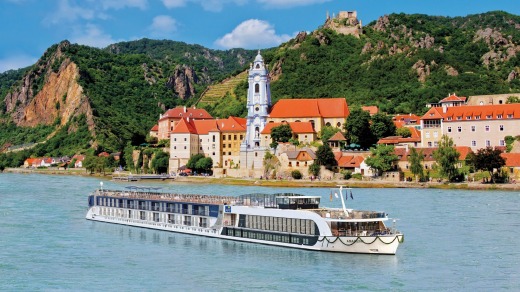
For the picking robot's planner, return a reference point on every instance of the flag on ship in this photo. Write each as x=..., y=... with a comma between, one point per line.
x=331, y=196
x=351, y=195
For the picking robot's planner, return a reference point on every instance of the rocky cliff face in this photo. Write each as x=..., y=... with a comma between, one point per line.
x=59, y=99
x=182, y=81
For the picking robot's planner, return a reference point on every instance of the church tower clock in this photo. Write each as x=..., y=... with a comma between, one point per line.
x=258, y=104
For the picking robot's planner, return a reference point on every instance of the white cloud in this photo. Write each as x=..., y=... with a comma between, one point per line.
x=92, y=35
x=252, y=34
x=208, y=5
x=16, y=62
x=162, y=26
x=174, y=3
x=69, y=13
x=119, y=4
x=290, y=3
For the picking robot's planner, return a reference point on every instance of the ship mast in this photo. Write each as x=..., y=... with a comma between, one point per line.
x=343, y=200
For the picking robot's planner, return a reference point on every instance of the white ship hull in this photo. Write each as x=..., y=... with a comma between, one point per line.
x=380, y=244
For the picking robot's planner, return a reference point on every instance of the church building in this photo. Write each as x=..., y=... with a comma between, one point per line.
x=258, y=104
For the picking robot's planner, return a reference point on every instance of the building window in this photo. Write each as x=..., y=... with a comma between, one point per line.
x=489, y=117
x=223, y=145
x=229, y=145
x=487, y=128
x=501, y=127
x=429, y=144
x=477, y=117
x=435, y=134
x=502, y=143
x=473, y=128
x=509, y=116
x=473, y=143
x=427, y=134
x=459, y=118
x=449, y=118
x=449, y=129
x=488, y=143
x=174, y=147
x=174, y=139
x=229, y=153
x=468, y=117
x=436, y=144
x=241, y=137
x=184, y=147
x=223, y=137
x=257, y=88
x=499, y=116
x=213, y=153
x=459, y=129
x=185, y=140
x=338, y=125
x=200, y=147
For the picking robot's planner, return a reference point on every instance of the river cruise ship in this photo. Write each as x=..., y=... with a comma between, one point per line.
x=283, y=219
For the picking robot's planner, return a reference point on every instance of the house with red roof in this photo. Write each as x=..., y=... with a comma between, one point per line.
x=403, y=155
x=371, y=109
x=171, y=117
x=302, y=131
x=216, y=138
x=474, y=126
x=154, y=131
x=297, y=159
x=512, y=164
x=319, y=112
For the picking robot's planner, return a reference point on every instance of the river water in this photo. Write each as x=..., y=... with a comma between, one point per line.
x=454, y=240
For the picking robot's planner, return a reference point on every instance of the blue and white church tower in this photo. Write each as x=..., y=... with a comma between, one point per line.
x=258, y=105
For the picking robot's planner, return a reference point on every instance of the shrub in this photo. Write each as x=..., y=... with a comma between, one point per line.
x=357, y=176
x=296, y=174
x=346, y=174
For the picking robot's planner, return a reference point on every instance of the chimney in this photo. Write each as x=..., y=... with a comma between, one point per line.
x=184, y=108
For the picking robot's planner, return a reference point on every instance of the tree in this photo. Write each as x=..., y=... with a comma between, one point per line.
x=358, y=128
x=446, y=157
x=416, y=158
x=489, y=159
x=327, y=132
x=513, y=99
x=89, y=163
x=128, y=156
x=160, y=162
x=382, y=158
x=271, y=163
x=296, y=174
x=282, y=133
x=404, y=132
x=325, y=156
x=192, y=162
x=204, y=165
x=382, y=126
x=314, y=169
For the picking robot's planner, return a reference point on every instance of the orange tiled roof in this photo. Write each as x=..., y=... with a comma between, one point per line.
x=315, y=107
x=350, y=161
x=464, y=151
x=232, y=124
x=398, y=139
x=155, y=128
x=184, y=127
x=475, y=112
x=183, y=112
x=371, y=109
x=453, y=97
x=433, y=113
x=338, y=137
x=512, y=159
x=296, y=127
x=407, y=119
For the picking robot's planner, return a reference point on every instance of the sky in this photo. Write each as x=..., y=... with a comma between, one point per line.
x=29, y=27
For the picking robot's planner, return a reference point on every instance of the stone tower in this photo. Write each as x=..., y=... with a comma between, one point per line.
x=258, y=104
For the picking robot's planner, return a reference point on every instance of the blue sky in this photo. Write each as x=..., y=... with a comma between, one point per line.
x=29, y=27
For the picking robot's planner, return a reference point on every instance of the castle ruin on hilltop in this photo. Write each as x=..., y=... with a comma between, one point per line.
x=346, y=22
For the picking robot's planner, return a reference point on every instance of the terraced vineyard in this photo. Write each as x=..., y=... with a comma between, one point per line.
x=217, y=91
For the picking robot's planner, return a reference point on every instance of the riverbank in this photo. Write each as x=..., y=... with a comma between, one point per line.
x=376, y=183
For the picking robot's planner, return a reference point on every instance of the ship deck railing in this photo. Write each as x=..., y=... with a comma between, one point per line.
x=352, y=214
x=203, y=199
